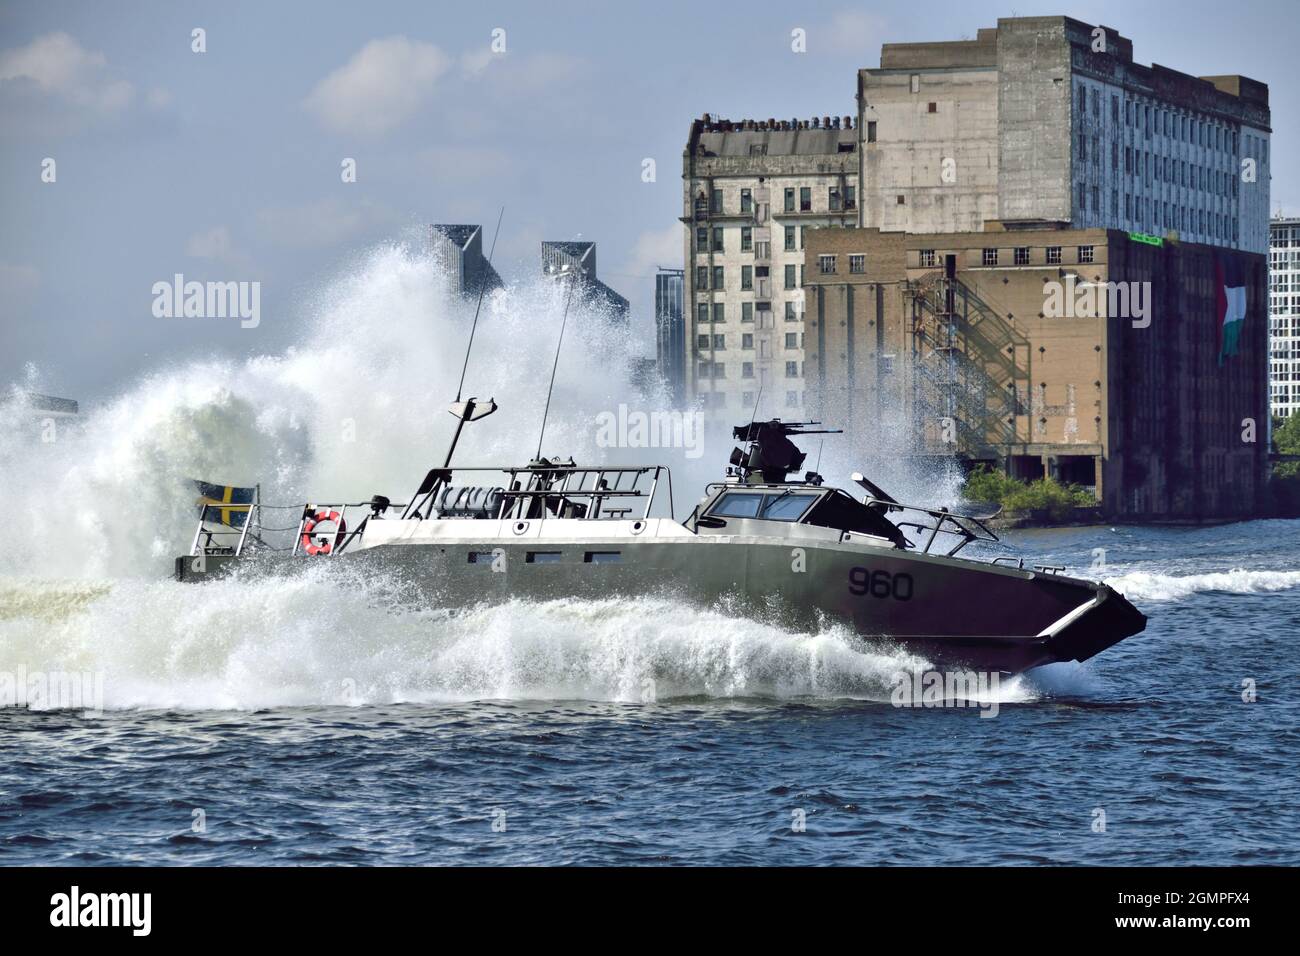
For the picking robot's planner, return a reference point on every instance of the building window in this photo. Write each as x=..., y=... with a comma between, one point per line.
x=746, y=201
x=746, y=312
x=1022, y=255
x=1085, y=254
x=719, y=343
x=747, y=341
x=792, y=340
x=702, y=342
x=791, y=313
x=790, y=278
x=826, y=265
x=857, y=264
x=701, y=277
x=746, y=278
x=747, y=371
x=990, y=257
x=805, y=199
x=719, y=312
x=702, y=239
x=1053, y=255
x=871, y=131
x=850, y=197
x=916, y=82
x=746, y=239
x=833, y=198
x=902, y=200
x=718, y=278
x=715, y=202
x=927, y=259
x=789, y=199
x=791, y=369
x=886, y=365
x=702, y=314
x=932, y=107
x=717, y=239
x=789, y=238
x=791, y=399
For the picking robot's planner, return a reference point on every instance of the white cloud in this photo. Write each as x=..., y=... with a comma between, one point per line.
x=854, y=31
x=18, y=281
x=325, y=222
x=384, y=84
x=57, y=64
x=216, y=245
x=465, y=163
x=657, y=247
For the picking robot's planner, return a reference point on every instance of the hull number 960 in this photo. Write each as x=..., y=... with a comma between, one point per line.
x=880, y=584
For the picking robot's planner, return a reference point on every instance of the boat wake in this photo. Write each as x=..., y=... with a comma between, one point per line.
x=317, y=639
x=1149, y=586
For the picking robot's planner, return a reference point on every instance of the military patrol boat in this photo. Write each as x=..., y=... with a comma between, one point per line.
x=789, y=549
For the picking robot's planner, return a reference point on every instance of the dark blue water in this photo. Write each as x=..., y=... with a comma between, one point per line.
x=1154, y=734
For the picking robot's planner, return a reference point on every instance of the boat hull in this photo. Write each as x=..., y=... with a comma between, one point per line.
x=953, y=612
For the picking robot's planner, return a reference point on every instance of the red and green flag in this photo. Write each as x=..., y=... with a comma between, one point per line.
x=1232, y=305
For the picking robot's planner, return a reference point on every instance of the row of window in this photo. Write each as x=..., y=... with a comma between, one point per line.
x=826, y=264
x=716, y=312
x=718, y=370
x=717, y=341
x=1153, y=168
x=793, y=399
x=1020, y=256
x=714, y=240
x=795, y=199
x=1154, y=120
x=715, y=278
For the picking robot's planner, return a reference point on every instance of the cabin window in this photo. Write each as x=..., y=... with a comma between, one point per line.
x=480, y=557
x=774, y=506
x=542, y=557
x=602, y=557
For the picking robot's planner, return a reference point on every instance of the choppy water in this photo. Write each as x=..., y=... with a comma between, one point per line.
x=328, y=719
x=403, y=737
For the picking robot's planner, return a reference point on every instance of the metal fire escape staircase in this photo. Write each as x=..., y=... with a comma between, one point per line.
x=970, y=370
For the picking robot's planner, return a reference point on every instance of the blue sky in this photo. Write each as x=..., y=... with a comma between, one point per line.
x=226, y=164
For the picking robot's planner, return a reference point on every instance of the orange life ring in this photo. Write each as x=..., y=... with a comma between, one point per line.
x=312, y=547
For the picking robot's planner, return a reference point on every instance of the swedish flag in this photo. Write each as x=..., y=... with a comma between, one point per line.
x=224, y=504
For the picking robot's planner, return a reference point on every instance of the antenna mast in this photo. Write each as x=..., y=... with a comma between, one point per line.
x=568, y=299
x=472, y=410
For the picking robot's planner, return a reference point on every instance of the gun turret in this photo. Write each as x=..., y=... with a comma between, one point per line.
x=770, y=455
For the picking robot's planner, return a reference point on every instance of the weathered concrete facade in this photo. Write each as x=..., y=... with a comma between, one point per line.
x=752, y=190
x=1086, y=355
x=1048, y=121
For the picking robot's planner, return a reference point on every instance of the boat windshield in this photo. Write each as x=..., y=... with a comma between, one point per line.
x=771, y=506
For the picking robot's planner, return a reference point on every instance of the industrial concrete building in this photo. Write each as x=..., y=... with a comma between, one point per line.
x=581, y=258
x=460, y=249
x=1049, y=121
x=751, y=191
x=1284, y=316
x=1093, y=356
x=670, y=331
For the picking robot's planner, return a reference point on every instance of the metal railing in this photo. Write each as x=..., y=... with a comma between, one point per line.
x=561, y=490
x=967, y=528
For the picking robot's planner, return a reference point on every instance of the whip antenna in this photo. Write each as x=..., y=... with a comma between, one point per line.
x=482, y=287
x=566, y=271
